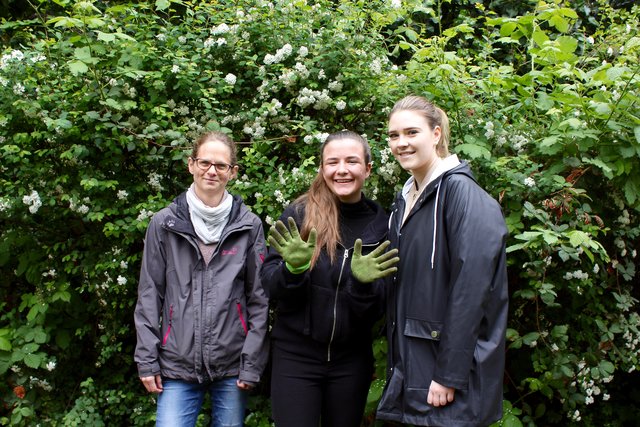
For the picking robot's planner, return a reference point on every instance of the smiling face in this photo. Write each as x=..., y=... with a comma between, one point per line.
x=413, y=142
x=210, y=184
x=344, y=168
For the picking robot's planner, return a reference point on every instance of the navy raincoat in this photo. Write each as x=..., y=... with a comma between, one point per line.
x=447, y=306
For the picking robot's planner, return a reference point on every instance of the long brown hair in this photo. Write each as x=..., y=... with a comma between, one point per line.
x=434, y=115
x=322, y=205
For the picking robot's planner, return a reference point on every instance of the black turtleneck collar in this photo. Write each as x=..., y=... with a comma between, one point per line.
x=354, y=219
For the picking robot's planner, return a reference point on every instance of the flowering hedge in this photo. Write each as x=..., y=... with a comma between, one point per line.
x=101, y=101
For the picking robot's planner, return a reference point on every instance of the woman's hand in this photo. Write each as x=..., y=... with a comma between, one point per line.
x=244, y=386
x=294, y=251
x=378, y=264
x=152, y=384
x=440, y=395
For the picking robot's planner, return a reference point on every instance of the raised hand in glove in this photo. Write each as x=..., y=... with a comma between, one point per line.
x=295, y=252
x=375, y=265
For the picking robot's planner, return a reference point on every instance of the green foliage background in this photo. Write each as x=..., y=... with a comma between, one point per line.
x=101, y=99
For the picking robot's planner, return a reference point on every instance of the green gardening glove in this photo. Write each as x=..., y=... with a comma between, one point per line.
x=376, y=265
x=295, y=252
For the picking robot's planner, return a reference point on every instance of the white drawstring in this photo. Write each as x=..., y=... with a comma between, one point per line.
x=435, y=225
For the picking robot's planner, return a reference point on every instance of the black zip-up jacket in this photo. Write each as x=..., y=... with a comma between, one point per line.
x=326, y=304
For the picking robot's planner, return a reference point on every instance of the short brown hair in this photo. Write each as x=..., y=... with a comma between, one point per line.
x=216, y=136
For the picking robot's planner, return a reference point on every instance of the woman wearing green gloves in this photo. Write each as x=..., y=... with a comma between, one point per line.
x=326, y=292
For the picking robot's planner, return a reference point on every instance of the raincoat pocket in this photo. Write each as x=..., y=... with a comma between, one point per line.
x=422, y=349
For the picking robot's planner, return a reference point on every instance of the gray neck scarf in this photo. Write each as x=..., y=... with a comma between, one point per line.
x=208, y=222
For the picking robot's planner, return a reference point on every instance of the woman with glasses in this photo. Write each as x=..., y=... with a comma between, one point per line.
x=327, y=294
x=201, y=314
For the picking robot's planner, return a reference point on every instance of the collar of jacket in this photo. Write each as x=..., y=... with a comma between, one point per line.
x=377, y=229
x=450, y=167
x=180, y=220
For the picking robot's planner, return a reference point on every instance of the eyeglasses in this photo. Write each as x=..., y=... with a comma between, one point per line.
x=205, y=165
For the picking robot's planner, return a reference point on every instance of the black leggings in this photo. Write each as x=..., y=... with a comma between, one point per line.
x=307, y=391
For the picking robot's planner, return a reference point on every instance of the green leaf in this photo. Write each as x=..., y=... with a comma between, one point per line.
x=78, y=67
x=608, y=172
x=106, y=37
x=63, y=339
x=5, y=344
x=631, y=191
x=32, y=360
x=559, y=22
x=82, y=54
x=162, y=4
x=474, y=151
x=411, y=34
x=540, y=37
x=511, y=420
x=530, y=337
x=30, y=347
x=578, y=238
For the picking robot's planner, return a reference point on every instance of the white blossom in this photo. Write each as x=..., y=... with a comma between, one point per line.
x=5, y=204
x=375, y=66
x=529, y=182
x=302, y=70
x=341, y=105
x=230, y=79
x=33, y=201
x=122, y=194
x=18, y=88
x=220, y=29
x=144, y=214
x=154, y=181
x=303, y=52
x=175, y=69
x=121, y=280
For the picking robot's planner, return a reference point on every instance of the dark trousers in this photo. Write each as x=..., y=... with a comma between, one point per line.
x=309, y=391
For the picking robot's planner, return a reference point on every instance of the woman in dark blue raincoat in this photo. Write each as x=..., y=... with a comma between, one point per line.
x=447, y=305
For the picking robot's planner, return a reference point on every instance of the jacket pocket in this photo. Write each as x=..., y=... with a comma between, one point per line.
x=426, y=329
x=243, y=322
x=422, y=351
x=169, y=324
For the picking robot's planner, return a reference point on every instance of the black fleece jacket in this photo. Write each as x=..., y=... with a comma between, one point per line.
x=325, y=310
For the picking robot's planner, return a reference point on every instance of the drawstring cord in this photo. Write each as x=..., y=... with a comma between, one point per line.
x=435, y=225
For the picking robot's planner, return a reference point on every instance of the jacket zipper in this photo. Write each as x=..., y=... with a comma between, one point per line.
x=335, y=305
x=244, y=324
x=166, y=335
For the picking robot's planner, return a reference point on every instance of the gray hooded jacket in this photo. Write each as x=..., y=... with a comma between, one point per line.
x=198, y=322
